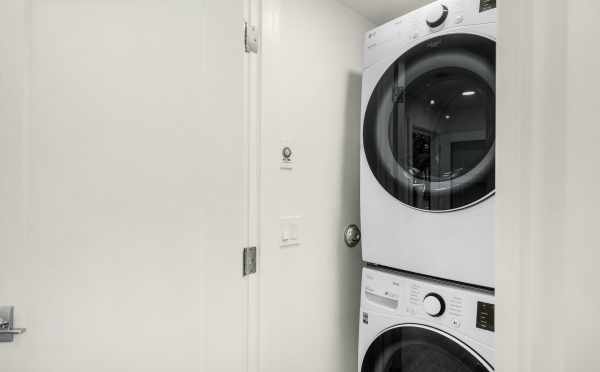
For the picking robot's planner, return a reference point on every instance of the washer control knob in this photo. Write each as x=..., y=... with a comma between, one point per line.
x=437, y=15
x=434, y=304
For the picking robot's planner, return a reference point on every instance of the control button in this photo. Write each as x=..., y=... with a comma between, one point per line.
x=455, y=323
x=459, y=19
x=434, y=304
x=437, y=15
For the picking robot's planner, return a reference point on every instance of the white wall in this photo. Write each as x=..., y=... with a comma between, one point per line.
x=312, y=51
x=548, y=134
x=381, y=11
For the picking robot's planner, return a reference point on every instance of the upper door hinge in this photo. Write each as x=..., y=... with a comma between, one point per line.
x=249, y=261
x=250, y=38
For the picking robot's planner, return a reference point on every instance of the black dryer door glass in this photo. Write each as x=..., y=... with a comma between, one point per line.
x=429, y=127
x=417, y=349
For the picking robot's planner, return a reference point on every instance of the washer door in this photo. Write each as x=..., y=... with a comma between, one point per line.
x=429, y=127
x=415, y=348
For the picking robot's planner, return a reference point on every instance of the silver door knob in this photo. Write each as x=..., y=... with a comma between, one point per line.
x=352, y=236
x=7, y=332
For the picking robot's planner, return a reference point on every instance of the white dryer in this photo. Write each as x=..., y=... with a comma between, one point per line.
x=410, y=324
x=428, y=142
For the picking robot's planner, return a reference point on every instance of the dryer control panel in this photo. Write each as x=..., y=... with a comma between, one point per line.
x=398, y=35
x=457, y=309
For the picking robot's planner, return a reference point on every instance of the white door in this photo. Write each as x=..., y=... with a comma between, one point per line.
x=309, y=279
x=123, y=199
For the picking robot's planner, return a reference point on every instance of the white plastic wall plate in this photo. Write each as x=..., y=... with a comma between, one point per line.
x=289, y=231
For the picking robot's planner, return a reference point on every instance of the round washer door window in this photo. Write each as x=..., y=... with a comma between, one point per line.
x=429, y=127
x=420, y=349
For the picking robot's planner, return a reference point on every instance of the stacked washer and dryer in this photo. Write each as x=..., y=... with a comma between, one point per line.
x=427, y=190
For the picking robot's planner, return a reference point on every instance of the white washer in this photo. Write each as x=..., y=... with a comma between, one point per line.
x=428, y=142
x=412, y=325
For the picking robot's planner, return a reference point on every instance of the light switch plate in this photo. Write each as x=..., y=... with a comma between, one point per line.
x=289, y=231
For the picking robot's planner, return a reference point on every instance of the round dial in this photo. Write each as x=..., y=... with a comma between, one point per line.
x=437, y=15
x=434, y=304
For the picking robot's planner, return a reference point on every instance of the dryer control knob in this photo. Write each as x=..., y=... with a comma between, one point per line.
x=434, y=304
x=437, y=15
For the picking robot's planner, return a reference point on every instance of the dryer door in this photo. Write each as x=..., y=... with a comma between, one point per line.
x=429, y=127
x=416, y=348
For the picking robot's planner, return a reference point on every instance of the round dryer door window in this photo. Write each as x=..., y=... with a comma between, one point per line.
x=420, y=349
x=429, y=127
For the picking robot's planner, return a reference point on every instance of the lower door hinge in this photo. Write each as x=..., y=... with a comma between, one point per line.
x=249, y=264
x=250, y=38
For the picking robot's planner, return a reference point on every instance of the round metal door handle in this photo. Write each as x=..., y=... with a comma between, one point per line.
x=352, y=236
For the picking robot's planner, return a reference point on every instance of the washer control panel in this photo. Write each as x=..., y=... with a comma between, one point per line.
x=440, y=304
x=435, y=304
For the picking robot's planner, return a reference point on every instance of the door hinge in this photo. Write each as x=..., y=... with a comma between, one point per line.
x=249, y=265
x=250, y=38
